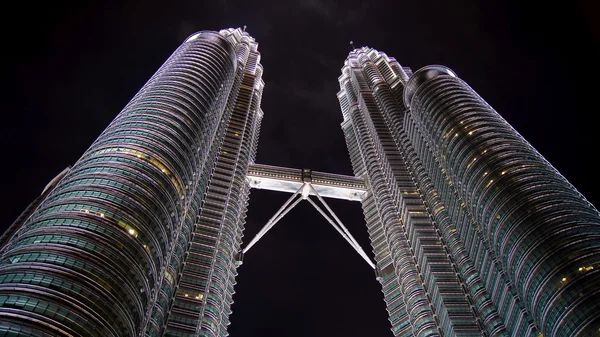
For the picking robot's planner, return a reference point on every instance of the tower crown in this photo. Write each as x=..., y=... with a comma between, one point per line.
x=421, y=76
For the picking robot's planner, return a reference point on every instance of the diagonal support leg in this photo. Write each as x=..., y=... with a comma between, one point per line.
x=358, y=249
x=283, y=210
x=336, y=218
x=303, y=193
x=340, y=227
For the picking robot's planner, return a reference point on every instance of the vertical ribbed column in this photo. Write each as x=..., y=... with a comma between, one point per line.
x=411, y=312
x=391, y=288
x=414, y=295
x=446, y=212
x=371, y=101
x=445, y=291
x=544, y=233
x=91, y=259
x=202, y=303
x=462, y=308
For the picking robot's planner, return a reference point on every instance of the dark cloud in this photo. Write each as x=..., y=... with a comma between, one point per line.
x=324, y=8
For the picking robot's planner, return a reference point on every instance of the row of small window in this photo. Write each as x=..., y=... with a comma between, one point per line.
x=62, y=286
x=139, y=174
x=193, y=105
x=167, y=155
x=159, y=235
x=102, y=275
x=55, y=312
x=87, y=225
x=156, y=119
x=171, y=142
x=138, y=171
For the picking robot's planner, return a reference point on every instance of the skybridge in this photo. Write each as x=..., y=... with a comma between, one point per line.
x=304, y=184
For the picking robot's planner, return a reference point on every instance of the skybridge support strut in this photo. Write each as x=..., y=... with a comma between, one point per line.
x=283, y=210
x=341, y=229
x=303, y=193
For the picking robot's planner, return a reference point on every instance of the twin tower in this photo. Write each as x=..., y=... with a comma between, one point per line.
x=474, y=233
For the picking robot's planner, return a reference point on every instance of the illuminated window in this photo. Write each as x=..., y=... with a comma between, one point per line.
x=471, y=163
x=169, y=276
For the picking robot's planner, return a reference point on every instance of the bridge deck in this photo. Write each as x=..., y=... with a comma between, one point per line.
x=289, y=180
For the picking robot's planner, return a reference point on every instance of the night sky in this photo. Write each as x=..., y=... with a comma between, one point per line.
x=75, y=65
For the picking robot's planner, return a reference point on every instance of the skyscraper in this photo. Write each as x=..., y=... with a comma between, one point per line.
x=473, y=232
x=139, y=237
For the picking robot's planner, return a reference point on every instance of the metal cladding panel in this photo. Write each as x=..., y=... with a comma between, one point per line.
x=538, y=230
x=403, y=220
x=202, y=302
x=473, y=231
x=410, y=313
x=91, y=259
